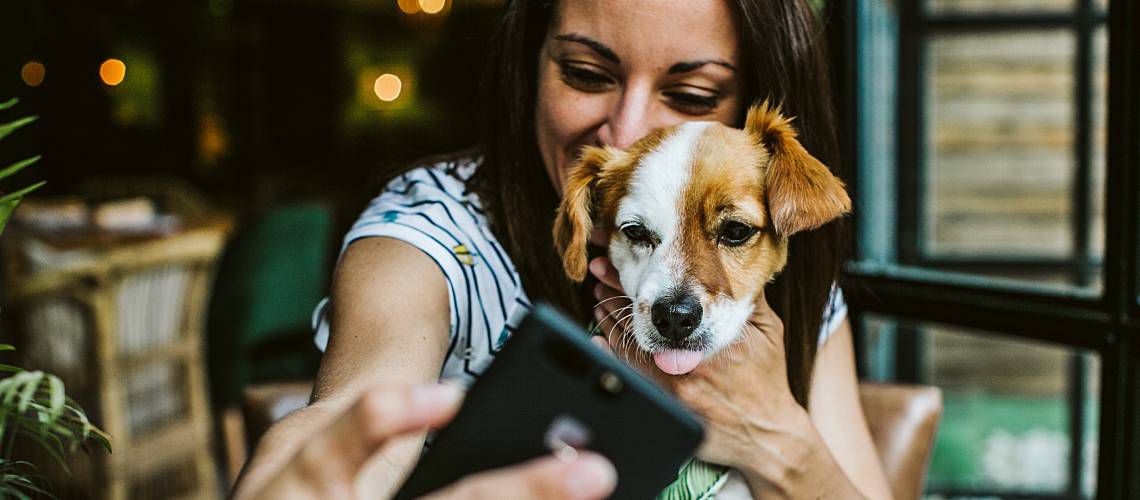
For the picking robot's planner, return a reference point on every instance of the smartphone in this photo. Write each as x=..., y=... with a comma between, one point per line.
x=550, y=390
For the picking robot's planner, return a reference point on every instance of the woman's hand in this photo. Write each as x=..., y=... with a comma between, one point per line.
x=742, y=391
x=743, y=394
x=328, y=464
x=752, y=421
x=612, y=307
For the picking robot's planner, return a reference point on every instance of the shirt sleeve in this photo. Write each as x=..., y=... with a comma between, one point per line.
x=833, y=315
x=416, y=210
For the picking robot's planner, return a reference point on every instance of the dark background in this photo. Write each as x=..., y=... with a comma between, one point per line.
x=251, y=101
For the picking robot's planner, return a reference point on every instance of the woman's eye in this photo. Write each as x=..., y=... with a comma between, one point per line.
x=691, y=103
x=583, y=78
x=733, y=233
x=637, y=234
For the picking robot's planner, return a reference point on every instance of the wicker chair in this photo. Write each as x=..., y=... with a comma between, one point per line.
x=121, y=323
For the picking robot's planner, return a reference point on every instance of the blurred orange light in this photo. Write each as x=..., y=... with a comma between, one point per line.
x=113, y=71
x=432, y=6
x=408, y=6
x=387, y=87
x=33, y=73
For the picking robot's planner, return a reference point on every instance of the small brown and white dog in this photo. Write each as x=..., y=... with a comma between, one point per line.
x=699, y=216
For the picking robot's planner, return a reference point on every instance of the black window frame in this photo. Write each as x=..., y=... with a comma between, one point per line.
x=1107, y=322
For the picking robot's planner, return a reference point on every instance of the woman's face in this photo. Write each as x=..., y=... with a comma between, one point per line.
x=611, y=71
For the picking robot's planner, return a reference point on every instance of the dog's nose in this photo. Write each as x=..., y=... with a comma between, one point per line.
x=675, y=317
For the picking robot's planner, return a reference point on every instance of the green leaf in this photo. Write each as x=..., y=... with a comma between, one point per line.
x=7, y=347
x=10, y=127
x=25, y=484
x=11, y=491
x=56, y=452
x=20, y=194
x=8, y=387
x=6, y=210
x=11, y=102
x=29, y=390
x=18, y=166
x=56, y=396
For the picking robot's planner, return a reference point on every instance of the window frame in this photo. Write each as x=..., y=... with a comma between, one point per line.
x=1106, y=321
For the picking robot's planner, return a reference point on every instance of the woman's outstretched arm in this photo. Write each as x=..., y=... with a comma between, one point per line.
x=389, y=325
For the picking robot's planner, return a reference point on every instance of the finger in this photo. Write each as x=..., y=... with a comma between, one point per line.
x=605, y=272
x=765, y=317
x=606, y=302
x=590, y=476
x=611, y=310
x=337, y=453
x=600, y=237
x=602, y=343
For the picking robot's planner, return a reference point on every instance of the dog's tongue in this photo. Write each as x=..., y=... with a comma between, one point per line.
x=677, y=362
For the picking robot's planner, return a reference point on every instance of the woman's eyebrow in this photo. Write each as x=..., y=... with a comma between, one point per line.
x=594, y=45
x=687, y=66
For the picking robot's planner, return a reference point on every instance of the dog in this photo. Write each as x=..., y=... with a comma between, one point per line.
x=699, y=216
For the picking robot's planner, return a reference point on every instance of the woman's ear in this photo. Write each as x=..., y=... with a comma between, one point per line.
x=573, y=223
x=802, y=193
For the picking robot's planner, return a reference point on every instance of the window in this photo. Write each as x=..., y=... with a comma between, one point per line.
x=995, y=148
x=1015, y=409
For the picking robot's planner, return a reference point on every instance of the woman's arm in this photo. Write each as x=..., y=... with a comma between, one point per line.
x=837, y=413
x=389, y=324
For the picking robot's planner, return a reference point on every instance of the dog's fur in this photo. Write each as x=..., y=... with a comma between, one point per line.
x=681, y=184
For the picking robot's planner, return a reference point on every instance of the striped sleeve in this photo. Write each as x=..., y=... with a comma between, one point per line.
x=431, y=209
x=417, y=208
x=833, y=315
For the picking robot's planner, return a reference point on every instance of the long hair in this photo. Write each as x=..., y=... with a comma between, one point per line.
x=784, y=55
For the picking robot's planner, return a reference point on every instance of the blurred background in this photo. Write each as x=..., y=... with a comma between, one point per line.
x=204, y=158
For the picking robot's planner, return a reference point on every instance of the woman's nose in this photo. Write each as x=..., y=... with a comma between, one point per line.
x=629, y=120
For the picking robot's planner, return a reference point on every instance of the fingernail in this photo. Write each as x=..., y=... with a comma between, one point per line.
x=590, y=477
x=597, y=267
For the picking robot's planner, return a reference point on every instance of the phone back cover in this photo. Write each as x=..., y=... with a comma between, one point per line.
x=507, y=413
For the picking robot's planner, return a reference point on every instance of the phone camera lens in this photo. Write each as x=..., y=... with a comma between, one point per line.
x=610, y=382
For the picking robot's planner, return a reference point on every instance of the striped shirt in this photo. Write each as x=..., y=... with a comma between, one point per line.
x=431, y=209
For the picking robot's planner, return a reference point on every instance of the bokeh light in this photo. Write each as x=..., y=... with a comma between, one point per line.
x=408, y=6
x=387, y=87
x=33, y=73
x=113, y=71
x=432, y=6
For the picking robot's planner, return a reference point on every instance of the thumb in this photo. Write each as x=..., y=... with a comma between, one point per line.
x=590, y=476
x=338, y=453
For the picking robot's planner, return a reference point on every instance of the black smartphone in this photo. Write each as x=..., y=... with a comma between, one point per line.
x=552, y=391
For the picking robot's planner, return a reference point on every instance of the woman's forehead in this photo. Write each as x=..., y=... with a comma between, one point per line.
x=652, y=31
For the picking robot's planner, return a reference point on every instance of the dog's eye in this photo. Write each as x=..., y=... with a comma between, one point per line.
x=637, y=233
x=733, y=233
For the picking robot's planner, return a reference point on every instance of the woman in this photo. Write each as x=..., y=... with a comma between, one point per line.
x=443, y=264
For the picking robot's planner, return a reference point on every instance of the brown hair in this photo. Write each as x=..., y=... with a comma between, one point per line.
x=785, y=62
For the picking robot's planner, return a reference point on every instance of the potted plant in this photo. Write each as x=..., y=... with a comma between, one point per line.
x=33, y=404
x=8, y=202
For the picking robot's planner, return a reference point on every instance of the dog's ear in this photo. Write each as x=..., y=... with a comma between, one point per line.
x=802, y=193
x=574, y=223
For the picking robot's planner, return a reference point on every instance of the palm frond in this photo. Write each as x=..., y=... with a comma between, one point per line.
x=20, y=194
x=8, y=128
x=18, y=166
